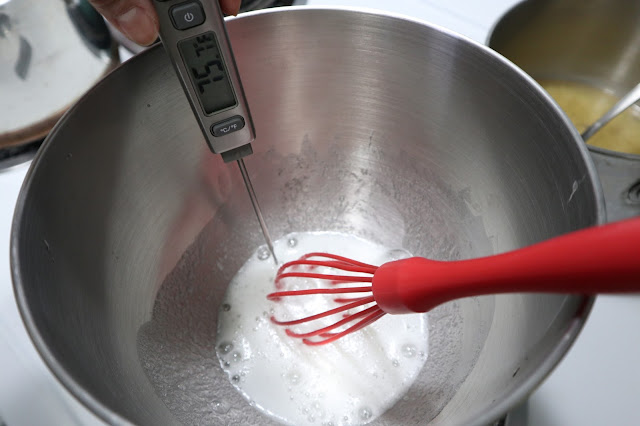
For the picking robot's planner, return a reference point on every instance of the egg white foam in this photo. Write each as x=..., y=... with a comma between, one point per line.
x=349, y=382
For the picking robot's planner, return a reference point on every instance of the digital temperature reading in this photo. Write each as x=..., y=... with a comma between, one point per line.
x=208, y=72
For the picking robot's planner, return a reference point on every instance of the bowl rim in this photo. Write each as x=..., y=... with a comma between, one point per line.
x=489, y=415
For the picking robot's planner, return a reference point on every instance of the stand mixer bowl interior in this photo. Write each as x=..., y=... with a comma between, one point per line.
x=128, y=229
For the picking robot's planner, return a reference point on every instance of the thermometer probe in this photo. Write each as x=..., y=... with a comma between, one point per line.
x=194, y=36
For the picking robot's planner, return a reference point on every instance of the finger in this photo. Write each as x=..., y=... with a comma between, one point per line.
x=136, y=19
x=230, y=7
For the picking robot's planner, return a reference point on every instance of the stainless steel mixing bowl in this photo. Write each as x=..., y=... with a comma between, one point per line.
x=128, y=229
x=594, y=42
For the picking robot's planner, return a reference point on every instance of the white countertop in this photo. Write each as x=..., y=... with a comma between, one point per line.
x=597, y=384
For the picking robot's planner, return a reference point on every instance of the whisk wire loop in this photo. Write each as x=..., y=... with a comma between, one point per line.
x=332, y=337
x=362, y=273
x=324, y=332
x=361, y=302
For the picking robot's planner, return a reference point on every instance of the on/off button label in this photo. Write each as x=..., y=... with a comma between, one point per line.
x=187, y=15
x=225, y=127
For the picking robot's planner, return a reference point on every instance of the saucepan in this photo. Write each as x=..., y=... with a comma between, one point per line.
x=586, y=54
x=40, y=75
x=128, y=229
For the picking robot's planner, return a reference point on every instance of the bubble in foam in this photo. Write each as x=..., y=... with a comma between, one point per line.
x=225, y=347
x=236, y=356
x=235, y=378
x=409, y=351
x=318, y=410
x=220, y=407
x=226, y=307
x=293, y=377
x=292, y=242
x=395, y=363
x=263, y=253
x=365, y=413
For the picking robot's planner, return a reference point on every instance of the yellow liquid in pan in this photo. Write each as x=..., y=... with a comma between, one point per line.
x=585, y=104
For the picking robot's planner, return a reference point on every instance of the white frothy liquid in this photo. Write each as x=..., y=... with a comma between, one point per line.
x=348, y=382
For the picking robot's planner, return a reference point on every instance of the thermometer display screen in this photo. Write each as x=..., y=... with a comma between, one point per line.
x=208, y=72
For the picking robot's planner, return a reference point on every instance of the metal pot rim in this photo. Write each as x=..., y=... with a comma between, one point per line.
x=612, y=153
x=500, y=19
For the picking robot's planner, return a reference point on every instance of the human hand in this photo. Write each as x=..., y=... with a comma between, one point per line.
x=137, y=19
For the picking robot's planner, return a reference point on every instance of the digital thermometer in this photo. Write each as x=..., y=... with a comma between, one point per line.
x=194, y=36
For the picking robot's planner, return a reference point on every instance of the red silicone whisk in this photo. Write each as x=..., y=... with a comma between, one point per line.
x=603, y=259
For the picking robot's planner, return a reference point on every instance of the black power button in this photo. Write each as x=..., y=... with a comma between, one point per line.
x=187, y=15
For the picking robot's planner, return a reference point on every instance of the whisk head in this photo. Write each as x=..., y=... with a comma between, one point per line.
x=357, y=307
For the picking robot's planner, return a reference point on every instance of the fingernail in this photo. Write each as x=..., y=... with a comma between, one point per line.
x=138, y=26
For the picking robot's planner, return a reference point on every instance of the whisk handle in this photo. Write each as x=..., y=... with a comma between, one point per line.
x=602, y=259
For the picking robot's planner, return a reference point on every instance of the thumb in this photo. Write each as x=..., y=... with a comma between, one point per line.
x=230, y=7
x=136, y=19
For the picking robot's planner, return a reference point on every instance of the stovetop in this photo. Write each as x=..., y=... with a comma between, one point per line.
x=598, y=382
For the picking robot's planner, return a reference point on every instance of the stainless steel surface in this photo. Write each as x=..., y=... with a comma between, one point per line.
x=256, y=207
x=249, y=5
x=625, y=102
x=50, y=54
x=213, y=22
x=395, y=131
x=596, y=42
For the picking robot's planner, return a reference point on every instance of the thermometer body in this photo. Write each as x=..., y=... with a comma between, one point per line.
x=194, y=36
